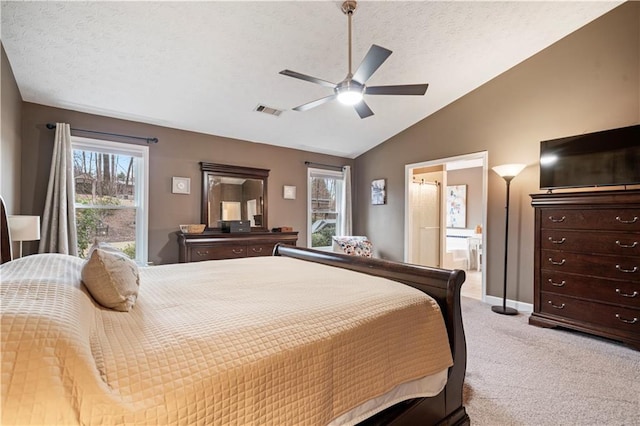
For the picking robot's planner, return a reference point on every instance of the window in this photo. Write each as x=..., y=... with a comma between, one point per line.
x=325, y=195
x=111, y=181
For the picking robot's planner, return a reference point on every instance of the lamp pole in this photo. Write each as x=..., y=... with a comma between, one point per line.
x=503, y=309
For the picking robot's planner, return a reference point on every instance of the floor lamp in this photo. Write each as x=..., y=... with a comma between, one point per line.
x=24, y=228
x=506, y=172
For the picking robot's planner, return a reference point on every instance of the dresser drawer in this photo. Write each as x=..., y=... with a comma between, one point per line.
x=618, y=267
x=216, y=253
x=624, y=243
x=623, y=293
x=254, y=250
x=624, y=319
x=601, y=219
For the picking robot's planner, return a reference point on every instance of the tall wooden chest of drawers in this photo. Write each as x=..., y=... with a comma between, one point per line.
x=587, y=263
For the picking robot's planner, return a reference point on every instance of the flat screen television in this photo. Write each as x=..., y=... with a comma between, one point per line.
x=609, y=157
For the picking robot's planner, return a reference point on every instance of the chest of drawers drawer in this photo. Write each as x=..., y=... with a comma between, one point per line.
x=616, y=267
x=214, y=253
x=608, y=242
x=254, y=250
x=623, y=293
x=600, y=219
x=624, y=319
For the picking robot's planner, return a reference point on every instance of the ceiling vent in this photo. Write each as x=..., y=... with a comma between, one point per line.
x=268, y=110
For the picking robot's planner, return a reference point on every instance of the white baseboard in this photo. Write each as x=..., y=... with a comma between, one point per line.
x=519, y=306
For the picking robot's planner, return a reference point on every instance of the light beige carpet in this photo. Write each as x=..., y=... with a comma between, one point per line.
x=518, y=374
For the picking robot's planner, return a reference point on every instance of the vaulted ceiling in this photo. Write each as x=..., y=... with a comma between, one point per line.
x=206, y=66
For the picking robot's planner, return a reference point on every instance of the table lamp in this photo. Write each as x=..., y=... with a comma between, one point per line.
x=24, y=228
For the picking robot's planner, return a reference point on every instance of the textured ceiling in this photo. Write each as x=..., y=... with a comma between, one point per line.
x=205, y=66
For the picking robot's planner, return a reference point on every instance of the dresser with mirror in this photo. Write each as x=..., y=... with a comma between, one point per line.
x=232, y=193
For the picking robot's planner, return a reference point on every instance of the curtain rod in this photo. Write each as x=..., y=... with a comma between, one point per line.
x=148, y=140
x=310, y=163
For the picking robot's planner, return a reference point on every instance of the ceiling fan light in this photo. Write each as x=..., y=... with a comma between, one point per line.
x=350, y=97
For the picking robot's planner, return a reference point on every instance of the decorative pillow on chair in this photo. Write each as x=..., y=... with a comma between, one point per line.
x=355, y=246
x=111, y=277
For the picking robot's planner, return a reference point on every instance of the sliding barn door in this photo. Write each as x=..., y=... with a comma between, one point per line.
x=425, y=223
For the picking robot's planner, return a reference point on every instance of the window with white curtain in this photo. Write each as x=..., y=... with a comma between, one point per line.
x=111, y=195
x=325, y=209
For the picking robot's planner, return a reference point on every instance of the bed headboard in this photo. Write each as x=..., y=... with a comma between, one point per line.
x=5, y=239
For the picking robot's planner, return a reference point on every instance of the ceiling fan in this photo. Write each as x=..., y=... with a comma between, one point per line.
x=352, y=89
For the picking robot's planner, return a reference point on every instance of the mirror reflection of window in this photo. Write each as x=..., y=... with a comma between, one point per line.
x=231, y=210
x=252, y=211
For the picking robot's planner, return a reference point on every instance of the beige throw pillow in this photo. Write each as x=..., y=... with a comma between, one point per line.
x=111, y=278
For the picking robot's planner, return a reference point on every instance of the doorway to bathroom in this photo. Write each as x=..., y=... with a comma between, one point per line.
x=445, y=215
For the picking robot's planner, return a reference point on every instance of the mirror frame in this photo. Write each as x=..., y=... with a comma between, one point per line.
x=225, y=170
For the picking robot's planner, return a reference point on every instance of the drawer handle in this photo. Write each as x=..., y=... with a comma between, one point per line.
x=236, y=251
x=634, y=294
x=202, y=253
x=560, y=284
x=554, y=220
x=561, y=262
x=556, y=306
x=256, y=249
x=627, y=321
x=557, y=241
x=628, y=271
x=634, y=220
x=635, y=243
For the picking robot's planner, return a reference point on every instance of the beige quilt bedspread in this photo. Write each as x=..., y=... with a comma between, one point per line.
x=258, y=341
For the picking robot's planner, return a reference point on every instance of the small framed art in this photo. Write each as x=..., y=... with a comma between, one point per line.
x=378, y=192
x=289, y=192
x=181, y=185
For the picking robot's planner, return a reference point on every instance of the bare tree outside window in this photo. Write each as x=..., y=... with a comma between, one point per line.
x=104, y=197
x=324, y=210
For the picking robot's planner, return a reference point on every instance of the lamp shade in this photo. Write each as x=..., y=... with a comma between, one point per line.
x=24, y=228
x=509, y=171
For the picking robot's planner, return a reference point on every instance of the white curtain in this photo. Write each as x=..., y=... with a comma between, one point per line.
x=59, y=234
x=345, y=225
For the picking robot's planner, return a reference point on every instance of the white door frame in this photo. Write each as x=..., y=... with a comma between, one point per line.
x=408, y=172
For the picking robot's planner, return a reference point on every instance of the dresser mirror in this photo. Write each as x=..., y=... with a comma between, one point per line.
x=234, y=193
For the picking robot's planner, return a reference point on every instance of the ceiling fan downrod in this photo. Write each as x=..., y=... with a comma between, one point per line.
x=348, y=7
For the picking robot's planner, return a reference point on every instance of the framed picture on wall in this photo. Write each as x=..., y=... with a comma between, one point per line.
x=457, y=206
x=378, y=192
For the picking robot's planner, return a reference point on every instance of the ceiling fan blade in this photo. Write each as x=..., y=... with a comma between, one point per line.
x=407, y=89
x=363, y=109
x=313, y=104
x=371, y=62
x=308, y=78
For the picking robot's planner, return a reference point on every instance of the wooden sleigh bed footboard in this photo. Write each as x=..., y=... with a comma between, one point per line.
x=444, y=286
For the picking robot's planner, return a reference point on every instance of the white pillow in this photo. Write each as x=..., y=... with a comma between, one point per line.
x=111, y=278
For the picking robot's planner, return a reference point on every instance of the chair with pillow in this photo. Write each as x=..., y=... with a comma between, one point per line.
x=353, y=245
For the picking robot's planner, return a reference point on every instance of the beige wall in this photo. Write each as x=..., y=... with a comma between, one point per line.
x=10, y=135
x=178, y=153
x=586, y=82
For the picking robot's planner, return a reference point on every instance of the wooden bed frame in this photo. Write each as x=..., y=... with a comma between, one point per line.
x=444, y=286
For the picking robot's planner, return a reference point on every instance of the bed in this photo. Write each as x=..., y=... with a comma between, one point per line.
x=302, y=337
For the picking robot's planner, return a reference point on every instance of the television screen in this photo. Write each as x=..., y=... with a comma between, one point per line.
x=609, y=157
